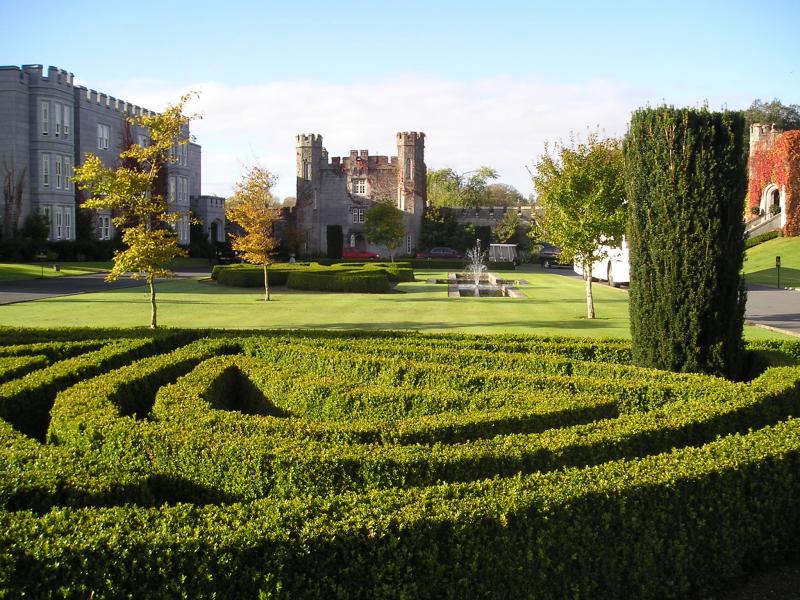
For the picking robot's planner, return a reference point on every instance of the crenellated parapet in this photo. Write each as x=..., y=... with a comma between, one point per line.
x=35, y=75
x=409, y=138
x=93, y=97
x=309, y=139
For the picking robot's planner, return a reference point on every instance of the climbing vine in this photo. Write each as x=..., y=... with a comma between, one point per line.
x=778, y=164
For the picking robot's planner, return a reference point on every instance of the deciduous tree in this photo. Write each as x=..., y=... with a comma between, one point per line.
x=468, y=190
x=384, y=225
x=582, y=201
x=255, y=210
x=131, y=192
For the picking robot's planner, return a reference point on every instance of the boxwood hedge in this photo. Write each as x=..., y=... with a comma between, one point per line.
x=387, y=465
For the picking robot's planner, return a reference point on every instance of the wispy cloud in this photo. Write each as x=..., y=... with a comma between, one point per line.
x=501, y=122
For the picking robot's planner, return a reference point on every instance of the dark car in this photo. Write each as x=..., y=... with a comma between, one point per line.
x=225, y=255
x=351, y=252
x=550, y=256
x=440, y=252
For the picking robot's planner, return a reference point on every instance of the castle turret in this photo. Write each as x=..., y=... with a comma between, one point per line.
x=411, y=172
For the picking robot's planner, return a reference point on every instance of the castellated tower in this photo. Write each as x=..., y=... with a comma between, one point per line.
x=411, y=172
x=333, y=196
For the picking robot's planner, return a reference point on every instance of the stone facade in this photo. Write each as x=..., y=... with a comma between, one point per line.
x=774, y=187
x=47, y=125
x=338, y=191
x=210, y=211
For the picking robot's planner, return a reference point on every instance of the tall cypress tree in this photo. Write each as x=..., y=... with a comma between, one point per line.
x=685, y=178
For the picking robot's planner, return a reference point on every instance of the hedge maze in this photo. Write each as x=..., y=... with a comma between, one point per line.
x=364, y=465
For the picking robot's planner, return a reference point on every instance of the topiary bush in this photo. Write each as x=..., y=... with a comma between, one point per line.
x=685, y=176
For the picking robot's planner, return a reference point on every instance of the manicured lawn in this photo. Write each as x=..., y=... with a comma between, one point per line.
x=759, y=265
x=18, y=271
x=554, y=305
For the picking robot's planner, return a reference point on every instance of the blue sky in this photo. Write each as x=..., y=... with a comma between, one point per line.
x=489, y=83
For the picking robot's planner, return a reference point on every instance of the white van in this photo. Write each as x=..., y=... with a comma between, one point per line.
x=503, y=253
x=613, y=268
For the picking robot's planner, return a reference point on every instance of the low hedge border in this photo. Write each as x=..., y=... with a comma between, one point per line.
x=673, y=525
x=12, y=367
x=279, y=273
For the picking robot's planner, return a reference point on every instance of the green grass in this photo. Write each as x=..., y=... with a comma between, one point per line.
x=19, y=271
x=759, y=265
x=554, y=305
x=44, y=269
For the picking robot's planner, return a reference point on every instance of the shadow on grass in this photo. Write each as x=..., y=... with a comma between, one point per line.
x=789, y=277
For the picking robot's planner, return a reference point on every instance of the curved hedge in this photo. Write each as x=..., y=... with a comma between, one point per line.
x=349, y=465
x=360, y=277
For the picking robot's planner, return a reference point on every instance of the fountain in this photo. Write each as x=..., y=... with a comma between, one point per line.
x=476, y=281
x=476, y=265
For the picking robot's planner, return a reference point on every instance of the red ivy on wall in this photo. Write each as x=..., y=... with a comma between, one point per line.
x=778, y=164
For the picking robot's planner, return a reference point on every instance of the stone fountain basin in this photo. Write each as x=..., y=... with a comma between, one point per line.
x=456, y=282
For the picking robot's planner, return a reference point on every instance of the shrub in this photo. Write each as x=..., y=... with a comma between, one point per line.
x=761, y=238
x=685, y=177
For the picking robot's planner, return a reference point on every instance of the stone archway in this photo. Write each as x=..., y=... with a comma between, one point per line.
x=772, y=196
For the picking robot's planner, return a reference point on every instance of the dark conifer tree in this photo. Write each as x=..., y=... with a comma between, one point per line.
x=685, y=179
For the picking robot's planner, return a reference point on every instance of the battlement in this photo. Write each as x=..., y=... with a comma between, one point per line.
x=360, y=159
x=408, y=138
x=34, y=74
x=763, y=133
x=309, y=139
x=109, y=102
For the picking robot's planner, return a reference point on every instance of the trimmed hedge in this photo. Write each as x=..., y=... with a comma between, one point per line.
x=345, y=273
x=497, y=466
x=668, y=526
x=761, y=238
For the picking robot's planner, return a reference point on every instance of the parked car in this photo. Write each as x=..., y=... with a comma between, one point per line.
x=440, y=252
x=225, y=255
x=550, y=256
x=351, y=252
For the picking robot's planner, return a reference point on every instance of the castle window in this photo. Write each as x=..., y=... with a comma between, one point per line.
x=171, y=192
x=408, y=244
x=67, y=223
x=359, y=186
x=67, y=119
x=57, y=108
x=45, y=118
x=408, y=169
x=45, y=170
x=67, y=173
x=105, y=227
x=59, y=171
x=58, y=216
x=358, y=215
x=306, y=170
x=103, y=134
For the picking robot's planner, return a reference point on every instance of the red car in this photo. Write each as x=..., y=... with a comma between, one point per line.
x=440, y=252
x=351, y=252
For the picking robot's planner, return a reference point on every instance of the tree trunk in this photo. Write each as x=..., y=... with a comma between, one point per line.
x=587, y=274
x=151, y=281
x=266, y=284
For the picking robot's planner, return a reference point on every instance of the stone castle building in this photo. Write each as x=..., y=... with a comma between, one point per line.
x=48, y=124
x=774, y=186
x=336, y=192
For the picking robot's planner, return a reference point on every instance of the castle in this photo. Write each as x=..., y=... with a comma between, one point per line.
x=774, y=178
x=48, y=124
x=334, y=194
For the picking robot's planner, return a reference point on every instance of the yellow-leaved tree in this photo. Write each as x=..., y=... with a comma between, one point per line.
x=139, y=210
x=255, y=210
